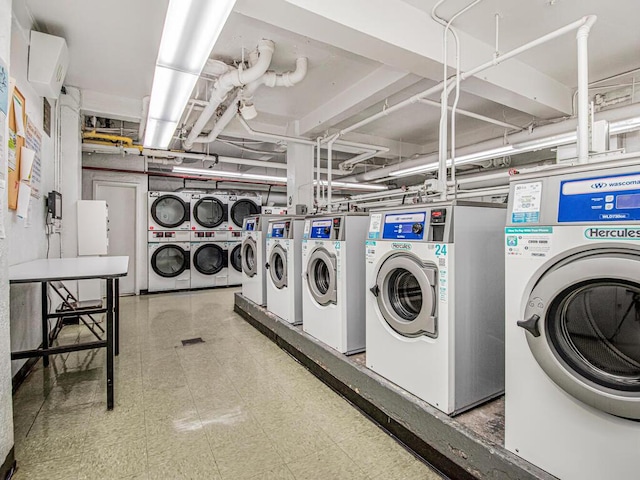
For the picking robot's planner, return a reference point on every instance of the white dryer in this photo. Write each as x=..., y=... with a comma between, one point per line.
x=234, y=277
x=209, y=259
x=169, y=211
x=209, y=211
x=252, y=252
x=284, y=267
x=169, y=260
x=241, y=206
x=333, y=300
x=435, y=323
x=573, y=321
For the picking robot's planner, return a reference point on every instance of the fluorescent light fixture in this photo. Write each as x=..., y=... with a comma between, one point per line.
x=542, y=143
x=624, y=126
x=225, y=174
x=353, y=186
x=191, y=29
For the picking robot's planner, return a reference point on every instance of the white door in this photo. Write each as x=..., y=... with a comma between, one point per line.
x=121, y=202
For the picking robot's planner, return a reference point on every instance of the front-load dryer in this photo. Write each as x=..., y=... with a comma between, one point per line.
x=169, y=211
x=241, y=206
x=209, y=259
x=209, y=212
x=435, y=281
x=572, y=242
x=169, y=260
x=333, y=300
x=253, y=258
x=234, y=271
x=283, y=264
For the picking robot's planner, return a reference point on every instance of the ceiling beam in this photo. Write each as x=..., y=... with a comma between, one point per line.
x=111, y=106
x=378, y=85
x=401, y=36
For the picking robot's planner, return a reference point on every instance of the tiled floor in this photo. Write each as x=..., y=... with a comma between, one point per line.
x=234, y=407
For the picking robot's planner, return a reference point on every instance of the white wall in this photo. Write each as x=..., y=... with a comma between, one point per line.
x=89, y=177
x=6, y=412
x=29, y=243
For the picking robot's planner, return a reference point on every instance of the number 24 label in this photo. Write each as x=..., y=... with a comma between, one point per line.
x=441, y=250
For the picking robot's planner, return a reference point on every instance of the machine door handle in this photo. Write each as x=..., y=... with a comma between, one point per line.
x=375, y=290
x=266, y=265
x=530, y=325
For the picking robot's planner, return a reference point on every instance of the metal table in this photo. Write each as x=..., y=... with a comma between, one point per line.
x=84, y=268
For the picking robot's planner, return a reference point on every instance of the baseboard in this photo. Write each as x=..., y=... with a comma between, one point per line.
x=8, y=467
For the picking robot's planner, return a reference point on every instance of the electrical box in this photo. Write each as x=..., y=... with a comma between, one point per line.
x=93, y=227
x=48, y=63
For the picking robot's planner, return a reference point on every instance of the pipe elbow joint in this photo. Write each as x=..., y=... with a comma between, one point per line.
x=585, y=28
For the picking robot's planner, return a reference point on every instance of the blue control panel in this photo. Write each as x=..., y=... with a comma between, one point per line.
x=250, y=226
x=404, y=226
x=600, y=199
x=277, y=230
x=321, y=229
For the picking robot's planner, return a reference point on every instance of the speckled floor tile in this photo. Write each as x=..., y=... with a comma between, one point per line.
x=60, y=468
x=116, y=461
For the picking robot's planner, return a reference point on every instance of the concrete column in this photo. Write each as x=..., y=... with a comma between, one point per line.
x=299, y=176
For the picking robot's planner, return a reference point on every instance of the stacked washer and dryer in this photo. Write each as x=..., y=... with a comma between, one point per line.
x=434, y=315
x=572, y=244
x=169, y=247
x=194, y=239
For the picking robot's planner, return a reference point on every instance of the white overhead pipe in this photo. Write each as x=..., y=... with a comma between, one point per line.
x=463, y=76
x=330, y=169
x=143, y=117
x=226, y=82
x=477, y=116
x=582, y=37
x=213, y=158
x=318, y=186
x=287, y=79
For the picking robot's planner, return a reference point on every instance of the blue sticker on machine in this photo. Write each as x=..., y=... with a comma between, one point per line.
x=600, y=199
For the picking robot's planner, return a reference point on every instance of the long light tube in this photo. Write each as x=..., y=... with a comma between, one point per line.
x=269, y=178
x=191, y=29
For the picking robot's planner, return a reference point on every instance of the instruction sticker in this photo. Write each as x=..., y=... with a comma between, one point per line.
x=370, y=248
x=443, y=284
x=528, y=242
x=374, y=225
x=307, y=229
x=526, y=203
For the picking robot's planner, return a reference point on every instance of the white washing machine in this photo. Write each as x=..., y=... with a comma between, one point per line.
x=209, y=259
x=209, y=211
x=435, y=321
x=235, y=263
x=573, y=321
x=169, y=260
x=241, y=206
x=252, y=252
x=284, y=266
x=169, y=211
x=333, y=300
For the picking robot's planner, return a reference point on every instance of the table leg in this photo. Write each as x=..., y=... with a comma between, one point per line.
x=45, y=322
x=109, y=344
x=116, y=313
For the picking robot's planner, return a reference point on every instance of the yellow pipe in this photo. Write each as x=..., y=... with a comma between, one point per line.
x=125, y=141
x=97, y=142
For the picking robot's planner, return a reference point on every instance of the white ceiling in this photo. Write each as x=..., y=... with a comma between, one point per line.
x=113, y=47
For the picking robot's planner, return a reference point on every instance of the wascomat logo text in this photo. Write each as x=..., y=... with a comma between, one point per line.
x=617, y=233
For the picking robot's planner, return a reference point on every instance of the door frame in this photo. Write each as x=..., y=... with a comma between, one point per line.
x=136, y=239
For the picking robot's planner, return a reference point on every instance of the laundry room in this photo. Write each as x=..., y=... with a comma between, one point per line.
x=286, y=239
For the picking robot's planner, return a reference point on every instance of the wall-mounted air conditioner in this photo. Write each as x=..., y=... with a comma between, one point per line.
x=48, y=63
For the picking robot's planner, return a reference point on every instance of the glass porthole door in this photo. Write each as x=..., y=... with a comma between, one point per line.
x=321, y=276
x=278, y=267
x=169, y=211
x=169, y=261
x=249, y=257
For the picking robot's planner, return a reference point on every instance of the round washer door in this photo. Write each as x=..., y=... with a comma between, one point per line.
x=210, y=259
x=249, y=257
x=321, y=277
x=406, y=292
x=236, y=258
x=170, y=261
x=278, y=267
x=209, y=212
x=583, y=328
x=243, y=208
x=169, y=211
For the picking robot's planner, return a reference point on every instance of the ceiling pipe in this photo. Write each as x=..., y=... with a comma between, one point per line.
x=582, y=37
x=227, y=82
x=477, y=116
x=559, y=129
x=143, y=118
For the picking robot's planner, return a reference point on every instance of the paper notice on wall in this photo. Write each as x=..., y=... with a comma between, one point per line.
x=19, y=113
x=26, y=162
x=12, y=150
x=24, y=199
x=3, y=170
x=34, y=142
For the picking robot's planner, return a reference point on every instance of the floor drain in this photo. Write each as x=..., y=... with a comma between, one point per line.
x=192, y=341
